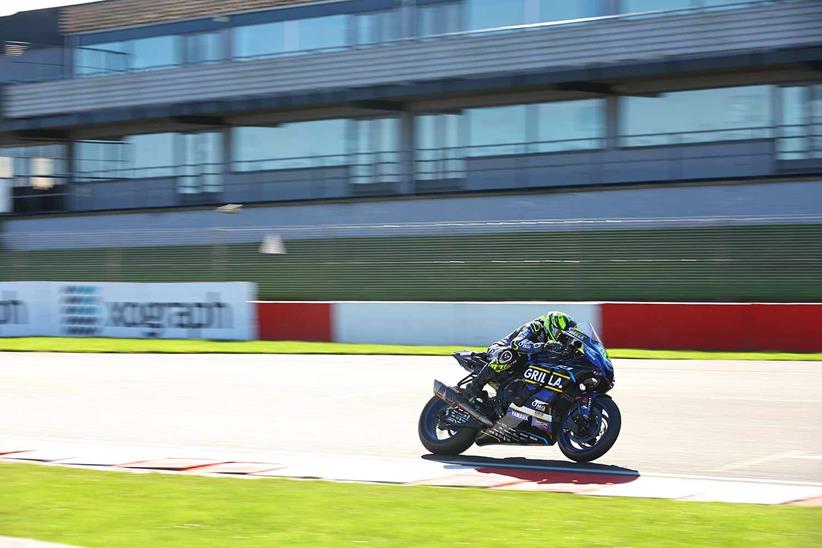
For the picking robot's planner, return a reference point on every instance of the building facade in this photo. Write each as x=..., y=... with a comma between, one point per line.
x=134, y=114
x=194, y=103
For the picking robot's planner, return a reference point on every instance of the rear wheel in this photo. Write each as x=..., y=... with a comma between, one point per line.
x=439, y=437
x=583, y=439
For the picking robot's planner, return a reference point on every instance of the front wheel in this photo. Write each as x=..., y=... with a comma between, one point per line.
x=436, y=435
x=583, y=439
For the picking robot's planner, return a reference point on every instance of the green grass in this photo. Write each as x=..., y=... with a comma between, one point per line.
x=197, y=346
x=112, y=509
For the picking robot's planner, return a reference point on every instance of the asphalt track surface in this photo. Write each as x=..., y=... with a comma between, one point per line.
x=759, y=420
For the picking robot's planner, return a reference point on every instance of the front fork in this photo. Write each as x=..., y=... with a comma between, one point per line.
x=585, y=401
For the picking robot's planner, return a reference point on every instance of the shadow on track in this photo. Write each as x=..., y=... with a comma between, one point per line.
x=543, y=472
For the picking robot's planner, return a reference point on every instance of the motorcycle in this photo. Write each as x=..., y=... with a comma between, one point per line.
x=539, y=401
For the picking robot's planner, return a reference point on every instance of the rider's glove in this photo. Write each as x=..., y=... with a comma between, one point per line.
x=553, y=347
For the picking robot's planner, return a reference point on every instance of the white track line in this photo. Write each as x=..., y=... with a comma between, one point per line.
x=753, y=462
x=478, y=462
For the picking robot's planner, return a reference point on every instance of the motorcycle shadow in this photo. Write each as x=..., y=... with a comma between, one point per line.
x=552, y=474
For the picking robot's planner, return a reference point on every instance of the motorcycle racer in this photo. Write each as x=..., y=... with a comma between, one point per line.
x=539, y=336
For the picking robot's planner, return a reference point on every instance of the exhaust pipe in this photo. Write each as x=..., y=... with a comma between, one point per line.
x=452, y=397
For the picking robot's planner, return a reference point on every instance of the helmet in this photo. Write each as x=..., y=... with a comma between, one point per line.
x=555, y=322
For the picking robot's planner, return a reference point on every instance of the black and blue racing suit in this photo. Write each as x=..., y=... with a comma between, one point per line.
x=531, y=338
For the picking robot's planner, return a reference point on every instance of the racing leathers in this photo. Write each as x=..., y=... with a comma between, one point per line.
x=538, y=336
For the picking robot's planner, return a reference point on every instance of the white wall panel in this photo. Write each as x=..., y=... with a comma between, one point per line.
x=436, y=323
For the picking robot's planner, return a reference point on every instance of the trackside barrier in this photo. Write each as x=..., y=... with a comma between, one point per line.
x=782, y=327
x=221, y=311
x=708, y=326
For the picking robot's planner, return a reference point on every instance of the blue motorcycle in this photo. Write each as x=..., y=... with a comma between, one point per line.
x=541, y=401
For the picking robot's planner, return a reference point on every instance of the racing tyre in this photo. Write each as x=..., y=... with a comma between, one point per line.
x=442, y=441
x=584, y=440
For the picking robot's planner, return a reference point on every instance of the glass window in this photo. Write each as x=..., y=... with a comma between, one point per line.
x=800, y=127
x=289, y=146
x=6, y=163
x=318, y=33
x=132, y=157
x=201, y=162
x=204, y=47
x=439, y=151
x=318, y=143
x=33, y=165
x=154, y=53
x=570, y=125
x=561, y=10
x=722, y=114
x=373, y=28
x=489, y=14
x=252, y=147
x=99, y=159
x=711, y=3
x=151, y=155
x=816, y=120
x=258, y=40
x=639, y=6
x=375, y=157
x=291, y=36
x=100, y=59
x=497, y=130
x=793, y=143
x=439, y=18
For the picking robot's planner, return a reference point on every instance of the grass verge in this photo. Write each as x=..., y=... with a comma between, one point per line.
x=181, y=346
x=103, y=508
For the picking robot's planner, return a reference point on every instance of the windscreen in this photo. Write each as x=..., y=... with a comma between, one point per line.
x=589, y=330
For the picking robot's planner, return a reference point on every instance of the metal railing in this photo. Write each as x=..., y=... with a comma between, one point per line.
x=765, y=258
x=675, y=156
x=119, y=62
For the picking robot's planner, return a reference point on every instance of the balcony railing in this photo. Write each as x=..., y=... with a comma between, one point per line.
x=753, y=152
x=115, y=62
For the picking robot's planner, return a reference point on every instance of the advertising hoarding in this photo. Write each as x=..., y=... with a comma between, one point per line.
x=220, y=311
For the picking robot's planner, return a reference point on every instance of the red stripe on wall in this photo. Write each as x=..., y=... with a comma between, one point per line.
x=732, y=327
x=294, y=321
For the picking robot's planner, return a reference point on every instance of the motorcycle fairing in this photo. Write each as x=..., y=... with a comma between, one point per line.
x=521, y=425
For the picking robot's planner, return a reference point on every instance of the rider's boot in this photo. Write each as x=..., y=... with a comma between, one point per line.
x=474, y=388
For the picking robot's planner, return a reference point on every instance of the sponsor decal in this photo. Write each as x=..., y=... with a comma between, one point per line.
x=535, y=375
x=555, y=381
x=539, y=405
x=222, y=310
x=85, y=312
x=80, y=310
x=155, y=317
x=518, y=415
x=543, y=377
x=538, y=414
x=542, y=425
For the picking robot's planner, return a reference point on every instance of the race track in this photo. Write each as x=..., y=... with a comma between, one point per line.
x=758, y=420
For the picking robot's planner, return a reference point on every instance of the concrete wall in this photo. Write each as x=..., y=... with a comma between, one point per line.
x=612, y=209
